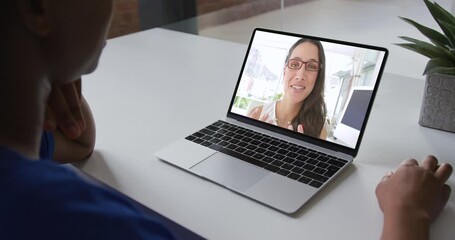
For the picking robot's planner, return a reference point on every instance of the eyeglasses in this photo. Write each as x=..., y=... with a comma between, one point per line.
x=312, y=66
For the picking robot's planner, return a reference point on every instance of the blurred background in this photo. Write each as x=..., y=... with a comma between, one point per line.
x=373, y=22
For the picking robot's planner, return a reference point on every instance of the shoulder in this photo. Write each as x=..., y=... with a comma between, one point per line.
x=51, y=201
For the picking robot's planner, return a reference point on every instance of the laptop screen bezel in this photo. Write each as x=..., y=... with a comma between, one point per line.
x=312, y=140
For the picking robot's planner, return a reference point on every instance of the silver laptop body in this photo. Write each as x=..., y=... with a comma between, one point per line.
x=305, y=164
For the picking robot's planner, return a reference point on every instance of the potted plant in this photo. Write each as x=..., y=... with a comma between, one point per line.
x=438, y=105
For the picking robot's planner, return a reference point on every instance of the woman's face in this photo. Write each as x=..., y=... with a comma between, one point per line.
x=299, y=83
x=78, y=36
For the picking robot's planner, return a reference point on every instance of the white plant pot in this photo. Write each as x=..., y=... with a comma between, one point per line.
x=438, y=103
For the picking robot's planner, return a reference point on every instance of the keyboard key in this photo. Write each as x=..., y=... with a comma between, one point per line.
x=190, y=138
x=264, y=145
x=230, y=134
x=272, y=168
x=217, y=135
x=277, y=163
x=266, y=140
x=198, y=141
x=257, y=137
x=223, y=144
x=255, y=142
x=206, y=144
x=247, y=139
x=298, y=163
x=273, y=148
x=312, y=155
x=315, y=184
x=269, y=153
x=292, y=155
x=304, y=180
x=278, y=156
x=282, y=151
x=198, y=134
x=206, y=138
x=249, y=153
x=242, y=144
x=288, y=160
x=323, y=158
x=322, y=165
x=302, y=158
x=284, y=146
x=231, y=146
x=214, y=140
x=319, y=170
x=258, y=156
x=293, y=149
x=333, y=168
x=283, y=172
x=275, y=143
x=287, y=166
x=268, y=159
x=239, y=156
x=315, y=176
x=312, y=161
x=294, y=176
x=336, y=163
x=329, y=173
x=309, y=167
x=207, y=131
x=261, y=150
x=251, y=147
x=240, y=149
x=303, y=152
x=297, y=170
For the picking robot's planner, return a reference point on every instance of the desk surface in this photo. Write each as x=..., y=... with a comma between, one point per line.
x=156, y=86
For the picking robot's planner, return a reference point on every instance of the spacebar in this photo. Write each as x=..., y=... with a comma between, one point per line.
x=238, y=155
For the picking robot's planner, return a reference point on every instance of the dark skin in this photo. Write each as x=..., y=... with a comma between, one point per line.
x=68, y=115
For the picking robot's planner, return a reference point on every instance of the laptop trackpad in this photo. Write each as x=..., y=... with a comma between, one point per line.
x=229, y=172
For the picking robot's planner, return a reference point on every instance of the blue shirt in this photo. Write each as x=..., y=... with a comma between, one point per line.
x=44, y=200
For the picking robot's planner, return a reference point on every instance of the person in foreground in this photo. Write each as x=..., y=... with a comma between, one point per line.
x=412, y=197
x=46, y=45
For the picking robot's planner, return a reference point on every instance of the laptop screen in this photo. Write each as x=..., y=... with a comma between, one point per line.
x=320, y=88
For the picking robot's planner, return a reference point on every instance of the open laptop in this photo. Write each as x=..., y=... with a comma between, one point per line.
x=272, y=164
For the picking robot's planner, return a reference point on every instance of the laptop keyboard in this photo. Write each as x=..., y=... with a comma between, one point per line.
x=293, y=161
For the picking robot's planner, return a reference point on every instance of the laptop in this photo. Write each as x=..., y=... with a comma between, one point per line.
x=315, y=84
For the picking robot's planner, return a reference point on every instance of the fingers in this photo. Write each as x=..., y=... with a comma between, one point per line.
x=430, y=163
x=387, y=176
x=443, y=172
x=300, y=128
x=264, y=118
x=409, y=162
x=71, y=93
x=65, y=106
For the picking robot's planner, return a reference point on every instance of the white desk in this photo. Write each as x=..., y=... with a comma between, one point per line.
x=154, y=87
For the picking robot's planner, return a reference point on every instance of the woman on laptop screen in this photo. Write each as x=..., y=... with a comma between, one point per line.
x=302, y=107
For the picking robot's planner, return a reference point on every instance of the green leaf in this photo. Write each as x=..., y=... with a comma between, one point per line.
x=435, y=37
x=447, y=15
x=427, y=49
x=451, y=31
x=440, y=14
